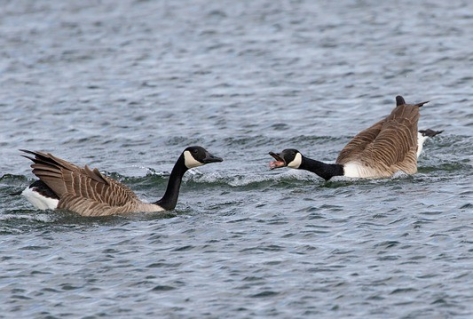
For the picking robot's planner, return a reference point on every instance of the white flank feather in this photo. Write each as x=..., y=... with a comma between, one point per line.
x=38, y=200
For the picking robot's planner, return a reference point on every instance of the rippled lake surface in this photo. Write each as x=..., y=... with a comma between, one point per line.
x=125, y=86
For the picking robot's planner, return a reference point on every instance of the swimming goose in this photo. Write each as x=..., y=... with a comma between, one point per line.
x=383, y=149
x=423, y=136
x=86, y=191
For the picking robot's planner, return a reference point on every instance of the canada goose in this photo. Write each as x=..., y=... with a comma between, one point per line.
x=423, y=136
x=87, y=192
x=386, y=147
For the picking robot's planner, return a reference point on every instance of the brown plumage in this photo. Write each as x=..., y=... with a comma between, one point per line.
x=89, y=193
x=83, y=190
x=388, y=146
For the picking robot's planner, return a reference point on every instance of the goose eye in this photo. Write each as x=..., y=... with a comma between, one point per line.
x=195, y=151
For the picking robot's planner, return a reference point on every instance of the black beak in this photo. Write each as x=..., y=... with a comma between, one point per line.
x=211, y=159
x=276, y=156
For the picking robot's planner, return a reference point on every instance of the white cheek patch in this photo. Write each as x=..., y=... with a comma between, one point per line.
x=190, y=161
x=296, y=162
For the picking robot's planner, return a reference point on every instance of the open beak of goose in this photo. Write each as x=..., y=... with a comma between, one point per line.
x=211, y=159
x=278, y=162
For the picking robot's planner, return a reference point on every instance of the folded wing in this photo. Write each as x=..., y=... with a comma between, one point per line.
x=388, y=145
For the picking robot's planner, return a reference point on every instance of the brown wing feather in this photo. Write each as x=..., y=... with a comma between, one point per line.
x=390, y=143
x=90, y=207
x=69, y=180
x=359, y=143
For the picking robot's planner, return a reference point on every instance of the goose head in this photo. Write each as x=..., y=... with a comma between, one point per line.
x=429, y=133
x=287, y=158
x=195, y=156
x=423, y=135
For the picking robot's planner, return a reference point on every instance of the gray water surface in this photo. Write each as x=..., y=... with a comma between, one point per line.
x=125, y=86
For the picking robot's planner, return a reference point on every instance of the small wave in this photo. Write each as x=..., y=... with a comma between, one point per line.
x=283, y=177
x=29, y=216
x=240, y=180
x=13, y=183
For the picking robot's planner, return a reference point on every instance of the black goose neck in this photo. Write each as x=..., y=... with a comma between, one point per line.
x=170, y=198
x=324, y=170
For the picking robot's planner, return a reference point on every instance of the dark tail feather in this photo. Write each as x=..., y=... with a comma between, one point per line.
x=421, y=104
x=39, y=158
x=400, y=100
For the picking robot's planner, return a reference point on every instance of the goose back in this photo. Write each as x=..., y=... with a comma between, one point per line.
x=389, y=145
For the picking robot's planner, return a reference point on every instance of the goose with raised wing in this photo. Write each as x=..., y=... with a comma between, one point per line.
x=387, y=147
x=87, y=192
